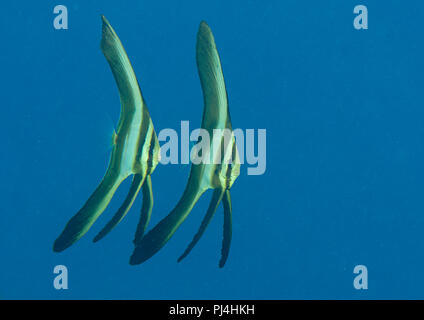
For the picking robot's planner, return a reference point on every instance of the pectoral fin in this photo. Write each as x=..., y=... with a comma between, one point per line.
x=137, y=182
x=228, y=223
x=92, y=209
x=146, y=210
x=216, y=199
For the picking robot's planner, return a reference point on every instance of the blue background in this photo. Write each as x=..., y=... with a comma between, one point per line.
x=344, y=114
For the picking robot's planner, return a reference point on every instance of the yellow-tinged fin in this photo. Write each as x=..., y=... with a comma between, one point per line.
x=113, y=139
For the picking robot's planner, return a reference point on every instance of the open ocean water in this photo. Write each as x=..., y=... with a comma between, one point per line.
x=343, y=111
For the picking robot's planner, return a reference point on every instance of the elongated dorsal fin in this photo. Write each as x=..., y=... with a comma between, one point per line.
x=215, y=112
x=120, y=65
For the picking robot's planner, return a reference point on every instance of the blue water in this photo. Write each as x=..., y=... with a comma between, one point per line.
x=344, y=114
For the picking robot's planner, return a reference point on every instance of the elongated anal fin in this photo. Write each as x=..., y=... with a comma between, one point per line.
x=228, y=223
x=156, y=238
x=88, y=214
x=146, y=210
x=136, y=184
x=216, y=199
